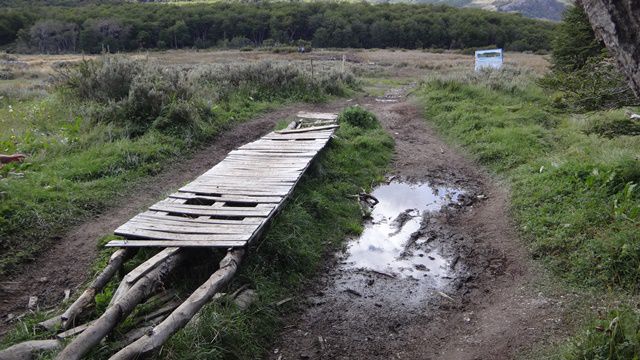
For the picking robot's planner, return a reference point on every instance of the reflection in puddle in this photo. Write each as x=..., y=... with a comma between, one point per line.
x=386, y=244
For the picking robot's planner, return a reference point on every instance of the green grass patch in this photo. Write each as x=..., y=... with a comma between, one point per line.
x=574, y=182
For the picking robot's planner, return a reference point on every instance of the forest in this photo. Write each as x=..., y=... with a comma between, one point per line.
x=96, y=28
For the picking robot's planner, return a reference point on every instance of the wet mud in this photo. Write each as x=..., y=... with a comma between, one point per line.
x=438, y=272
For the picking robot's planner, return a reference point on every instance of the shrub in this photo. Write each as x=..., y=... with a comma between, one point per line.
x=359, y=117
x=611, y=128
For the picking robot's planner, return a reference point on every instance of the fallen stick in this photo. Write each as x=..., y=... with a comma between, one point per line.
x=67, y=319
x=181, y=316
x=120, y=310
x=26, y=350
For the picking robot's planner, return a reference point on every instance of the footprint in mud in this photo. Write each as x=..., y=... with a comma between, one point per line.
x=388, y=242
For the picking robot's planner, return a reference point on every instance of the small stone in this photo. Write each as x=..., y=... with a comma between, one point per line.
x=33, y=302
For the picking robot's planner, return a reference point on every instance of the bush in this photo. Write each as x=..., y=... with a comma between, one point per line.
x=140, y=95
x=137, y=95
x=611, y=128
x=359, y=117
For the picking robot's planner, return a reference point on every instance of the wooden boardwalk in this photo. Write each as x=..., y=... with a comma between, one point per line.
x=231, y=203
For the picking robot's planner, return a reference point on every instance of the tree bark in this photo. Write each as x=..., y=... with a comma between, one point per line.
x=181, y=316
x=26, y=350
x=120, y=310
x=617, y=23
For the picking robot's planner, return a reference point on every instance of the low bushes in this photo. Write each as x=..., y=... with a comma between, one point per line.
x=359, y=117
x=141, y=95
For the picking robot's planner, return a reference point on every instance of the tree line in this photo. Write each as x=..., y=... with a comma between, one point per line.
x=113, y=27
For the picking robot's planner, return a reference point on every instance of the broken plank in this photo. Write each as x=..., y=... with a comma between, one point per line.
x=316, y=128
x=204, y=211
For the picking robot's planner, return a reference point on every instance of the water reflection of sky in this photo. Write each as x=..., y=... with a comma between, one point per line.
x=382, y=242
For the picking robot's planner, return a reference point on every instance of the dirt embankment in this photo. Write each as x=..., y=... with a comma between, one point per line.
x=479, y=303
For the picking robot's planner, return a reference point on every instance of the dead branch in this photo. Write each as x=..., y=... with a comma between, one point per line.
x=120, y=310
x=26, y=350
x=67, y=319
x=181, y=316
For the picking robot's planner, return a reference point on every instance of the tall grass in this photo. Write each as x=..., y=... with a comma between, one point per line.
x=574, y=185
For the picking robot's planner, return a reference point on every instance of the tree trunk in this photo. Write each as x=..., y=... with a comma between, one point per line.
x=617, y=23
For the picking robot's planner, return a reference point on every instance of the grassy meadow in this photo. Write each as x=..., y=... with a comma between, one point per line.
x=574, y=185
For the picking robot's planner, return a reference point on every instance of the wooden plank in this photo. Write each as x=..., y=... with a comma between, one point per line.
x=185, y=243
x=230, y=198
x=202, y=189
x=319, y=116
x=190, y=228
x=271, y=156
x=245, y=186
x=165, y=235
x=187, y=220
x=208, y=211
x=315, y=128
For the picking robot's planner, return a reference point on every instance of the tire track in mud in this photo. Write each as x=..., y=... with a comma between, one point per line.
x=488, y=307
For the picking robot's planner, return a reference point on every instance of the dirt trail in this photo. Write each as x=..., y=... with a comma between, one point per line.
x=488, y=307
x=67, y=263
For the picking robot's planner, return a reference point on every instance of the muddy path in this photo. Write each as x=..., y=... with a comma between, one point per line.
x=438, y=273
x=67, y=263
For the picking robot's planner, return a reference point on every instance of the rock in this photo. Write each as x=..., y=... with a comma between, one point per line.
x=33, y=303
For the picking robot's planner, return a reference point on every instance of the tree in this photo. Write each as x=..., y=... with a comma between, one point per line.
x=574, y=43
x=617, y=23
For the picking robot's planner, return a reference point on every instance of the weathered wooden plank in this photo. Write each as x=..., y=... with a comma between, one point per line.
x=161, y=235
x=208, y=211
x=183, y=243
x=201, y=189
x=190, y=228
x=316, y=115
x=315, y=128
x=272, y=156
x=230, y=198
x=201, y=220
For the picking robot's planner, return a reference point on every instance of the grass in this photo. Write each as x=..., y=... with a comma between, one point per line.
x=574, y=190
x=315, y=221
x=82, y=149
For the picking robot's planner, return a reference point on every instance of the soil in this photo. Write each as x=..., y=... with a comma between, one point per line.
x=489, y=306
x=67, y=263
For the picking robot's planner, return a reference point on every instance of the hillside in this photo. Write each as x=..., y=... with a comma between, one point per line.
x=537, y=9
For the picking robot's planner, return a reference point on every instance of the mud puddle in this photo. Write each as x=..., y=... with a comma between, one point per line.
x=392, y=242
